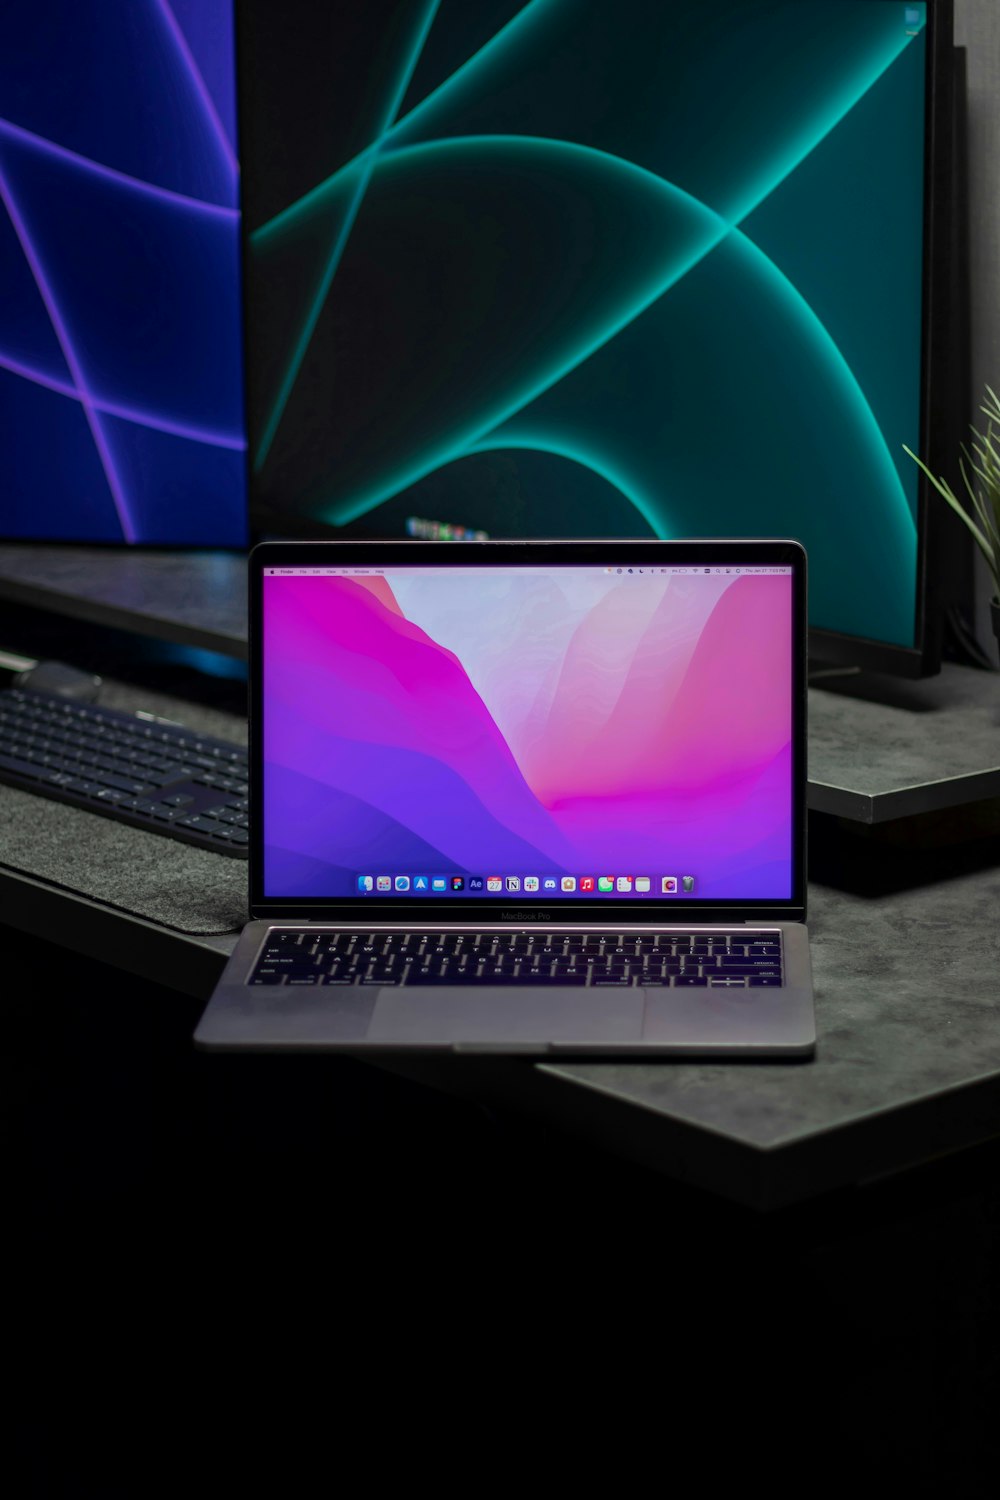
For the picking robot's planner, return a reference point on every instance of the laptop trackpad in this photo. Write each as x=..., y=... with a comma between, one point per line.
x=535, y=1014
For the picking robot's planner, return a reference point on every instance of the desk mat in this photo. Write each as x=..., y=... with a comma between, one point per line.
x=190, y=890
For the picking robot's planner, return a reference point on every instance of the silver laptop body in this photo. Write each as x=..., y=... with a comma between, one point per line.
x=525, y=797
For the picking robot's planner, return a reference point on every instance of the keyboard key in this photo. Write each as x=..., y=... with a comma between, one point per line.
x=122, y=783
x=163, y=778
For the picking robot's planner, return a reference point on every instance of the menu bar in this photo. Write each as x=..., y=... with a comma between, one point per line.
x=636, y=571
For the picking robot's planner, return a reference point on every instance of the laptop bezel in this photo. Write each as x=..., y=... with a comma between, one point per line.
x=502, y=911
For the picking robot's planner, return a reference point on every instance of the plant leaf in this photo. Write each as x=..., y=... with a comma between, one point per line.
x=988, y=539
x=946, y=492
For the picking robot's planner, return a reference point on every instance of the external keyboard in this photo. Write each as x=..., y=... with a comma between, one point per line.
x=132, y=767
x=729, y=960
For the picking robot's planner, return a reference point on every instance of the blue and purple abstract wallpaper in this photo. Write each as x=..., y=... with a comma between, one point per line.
x=594, y=268
x=564, y=731
x=120, y=342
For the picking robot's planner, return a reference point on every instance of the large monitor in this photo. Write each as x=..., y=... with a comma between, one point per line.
x=121, y=401
x=607, y=268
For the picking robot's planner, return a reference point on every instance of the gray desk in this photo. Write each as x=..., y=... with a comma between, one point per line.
x=190, y=598
x=908, y=1002
x=879, y=749
x=907, y=982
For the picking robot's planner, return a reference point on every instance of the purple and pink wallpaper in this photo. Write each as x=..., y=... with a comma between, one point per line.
x=530, y=724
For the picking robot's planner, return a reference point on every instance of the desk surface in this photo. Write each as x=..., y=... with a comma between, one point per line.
x=190, y=598
x=908, y=1064
x=879, y=748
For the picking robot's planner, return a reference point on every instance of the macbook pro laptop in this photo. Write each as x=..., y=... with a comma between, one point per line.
x=525, y=797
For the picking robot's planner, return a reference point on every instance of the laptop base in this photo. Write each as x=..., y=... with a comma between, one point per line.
x=536, y=1020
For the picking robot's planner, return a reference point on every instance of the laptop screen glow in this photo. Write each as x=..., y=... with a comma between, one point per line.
x=525, y=732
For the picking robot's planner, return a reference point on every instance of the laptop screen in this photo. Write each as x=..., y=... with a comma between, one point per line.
x=522, y=733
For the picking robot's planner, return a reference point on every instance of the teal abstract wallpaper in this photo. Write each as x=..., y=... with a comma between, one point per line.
x=593, y=268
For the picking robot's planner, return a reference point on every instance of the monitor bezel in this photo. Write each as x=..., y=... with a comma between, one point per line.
x=556, y=553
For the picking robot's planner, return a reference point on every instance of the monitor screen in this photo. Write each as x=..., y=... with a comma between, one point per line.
x=513, y=731
x=649, y=268
x=121, y=416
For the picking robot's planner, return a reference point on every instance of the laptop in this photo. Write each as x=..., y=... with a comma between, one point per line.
x=539, y=797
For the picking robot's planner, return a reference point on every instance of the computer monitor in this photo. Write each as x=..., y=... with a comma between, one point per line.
x=121, y=402
x=607, y=268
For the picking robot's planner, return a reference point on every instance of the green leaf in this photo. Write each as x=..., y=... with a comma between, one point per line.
x=979, y=464
x=946, y=492
x=986, y=537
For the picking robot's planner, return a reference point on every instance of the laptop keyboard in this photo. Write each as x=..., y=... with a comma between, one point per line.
x=730, y=960
x=143, y=771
